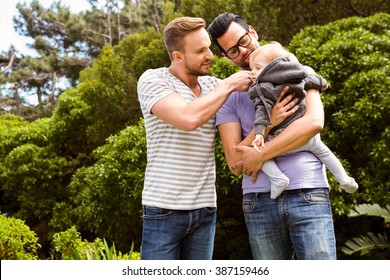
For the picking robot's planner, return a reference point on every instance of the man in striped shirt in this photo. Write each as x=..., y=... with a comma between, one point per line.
x=179, y=105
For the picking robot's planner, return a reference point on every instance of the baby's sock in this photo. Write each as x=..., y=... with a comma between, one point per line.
x=350, y=186
x=278, y=186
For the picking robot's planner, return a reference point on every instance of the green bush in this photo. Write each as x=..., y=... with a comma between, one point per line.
x=17, y=241
x=353, y=54
x=14, y=131
x=222, y=68
x=105, y=198
x=67, y=245
x=33, y=179
x=372, y=245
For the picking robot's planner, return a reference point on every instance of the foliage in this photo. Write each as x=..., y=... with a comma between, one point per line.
x=375, y=246
x=66, y=43
x=353, y=55
x=58, y=53
x=153, y=55
x=17, y=241
x=277, y=20
x=32, y=176
x=222, y=68
x=67, y=245
x=14, y=131
x=371, y=210
x=68, y=133
x=105, y=197
x=33, y=180
x=99, y=107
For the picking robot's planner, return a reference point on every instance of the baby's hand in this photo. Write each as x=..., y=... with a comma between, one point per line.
x=258, y=142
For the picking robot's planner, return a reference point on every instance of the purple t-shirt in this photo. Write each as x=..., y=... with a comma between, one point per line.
x=303, y=168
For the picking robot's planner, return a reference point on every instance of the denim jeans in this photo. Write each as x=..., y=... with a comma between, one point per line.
x=296, y=225
x=178, y=234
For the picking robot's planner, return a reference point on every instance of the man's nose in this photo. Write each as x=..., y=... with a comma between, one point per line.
x=210, y=54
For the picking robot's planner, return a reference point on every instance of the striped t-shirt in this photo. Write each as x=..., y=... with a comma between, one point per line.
x=180, y=171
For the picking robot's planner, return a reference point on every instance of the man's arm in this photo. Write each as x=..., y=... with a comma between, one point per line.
x=295, y=135
x=188, y=116
x=231, y=132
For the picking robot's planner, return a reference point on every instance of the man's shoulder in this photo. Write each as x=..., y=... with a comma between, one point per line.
x=239, y=96
x=155, y=71
x=207, y=79
x=237, y=101
x=155, y=76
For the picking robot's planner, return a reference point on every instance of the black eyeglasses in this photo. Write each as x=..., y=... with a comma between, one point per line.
x=244, y=41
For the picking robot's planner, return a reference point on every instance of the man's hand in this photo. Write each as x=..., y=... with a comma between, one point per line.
x=239, y=81
x=283, y=108
x=251, y=161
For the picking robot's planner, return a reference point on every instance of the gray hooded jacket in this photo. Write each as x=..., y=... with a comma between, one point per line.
x=271, y=81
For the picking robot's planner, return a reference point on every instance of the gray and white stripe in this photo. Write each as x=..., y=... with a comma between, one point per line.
x=180, y=171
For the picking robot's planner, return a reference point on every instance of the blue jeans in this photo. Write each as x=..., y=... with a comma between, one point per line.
x=296, y=225
x=178, y=234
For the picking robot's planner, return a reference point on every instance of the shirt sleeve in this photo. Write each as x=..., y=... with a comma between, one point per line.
x=227, y=113
x=151, y=88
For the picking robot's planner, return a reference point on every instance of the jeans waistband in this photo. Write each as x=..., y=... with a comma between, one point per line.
x=286, y=192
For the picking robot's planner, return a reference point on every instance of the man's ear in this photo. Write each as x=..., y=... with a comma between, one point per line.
x=177, y=56
x=253, y=32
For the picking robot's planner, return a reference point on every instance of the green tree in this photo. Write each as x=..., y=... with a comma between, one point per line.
x=353, y=55
x=59, y=55
x=99, y=107
x=280, y=20
x=65, y=44
x=34, y=179
x=105, y=197
x=105, y=101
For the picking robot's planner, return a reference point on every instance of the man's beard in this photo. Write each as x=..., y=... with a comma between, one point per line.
x=197, y=71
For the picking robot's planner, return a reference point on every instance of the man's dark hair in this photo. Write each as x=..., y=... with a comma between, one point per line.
x=221, y=24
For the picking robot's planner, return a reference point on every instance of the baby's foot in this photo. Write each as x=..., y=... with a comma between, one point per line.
x=351, y=186
x=278, y=186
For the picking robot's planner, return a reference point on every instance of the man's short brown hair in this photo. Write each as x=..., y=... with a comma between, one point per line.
x=177, y=29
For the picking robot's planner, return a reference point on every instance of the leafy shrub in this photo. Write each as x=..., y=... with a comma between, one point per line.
x=222, y=68
x=17, y=241
x=67, y=245
x=372, y=245
x=14, y=131
x=33, y=180
x=353, y=54
x=105, y=197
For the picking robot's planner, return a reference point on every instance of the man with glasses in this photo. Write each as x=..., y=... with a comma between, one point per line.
x=244, y=41
x=298, y=224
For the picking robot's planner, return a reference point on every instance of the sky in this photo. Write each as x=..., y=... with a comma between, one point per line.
x=8, y=11
x=9, y=36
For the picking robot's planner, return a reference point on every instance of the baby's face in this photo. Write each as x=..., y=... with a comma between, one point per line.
x=257, y=66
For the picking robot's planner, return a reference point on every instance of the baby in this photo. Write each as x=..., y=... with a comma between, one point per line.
x=273, y=68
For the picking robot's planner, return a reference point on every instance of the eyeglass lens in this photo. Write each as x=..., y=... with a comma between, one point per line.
x=244, y=41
